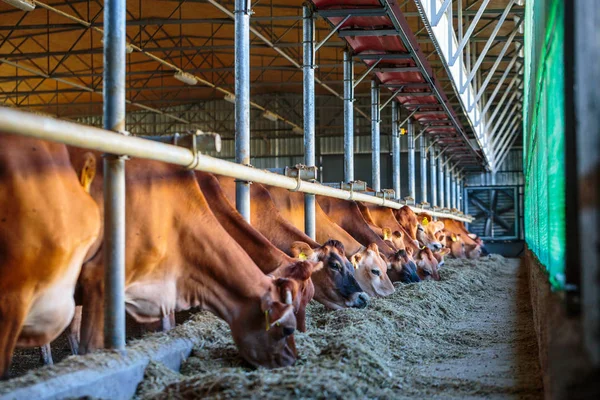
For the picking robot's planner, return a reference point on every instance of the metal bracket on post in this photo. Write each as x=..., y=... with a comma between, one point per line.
x=424, y=205
x=409, y=201
x=389, y=194
x=354, y=186
x=301, y=171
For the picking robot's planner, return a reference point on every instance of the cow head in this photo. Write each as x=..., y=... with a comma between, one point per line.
x=335, y=284
x=295, y=279
x=456, y=245
x=427, y=265
x=402, y=268
x=478, y=249
x=371, y=272
x=264, y=335
x=427, y=231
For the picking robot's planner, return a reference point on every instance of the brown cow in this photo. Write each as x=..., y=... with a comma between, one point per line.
x=370, y=272
x=347, y=215
x=474, y=247
x=409, y=221
x=334, y=287
x=47, y=226
x=267, y=257
x=179, y=256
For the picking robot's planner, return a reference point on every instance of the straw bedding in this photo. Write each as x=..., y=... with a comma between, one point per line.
x=384, y=351
x=368, y=353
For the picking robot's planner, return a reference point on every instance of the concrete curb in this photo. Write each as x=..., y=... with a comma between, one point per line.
x=105, y=375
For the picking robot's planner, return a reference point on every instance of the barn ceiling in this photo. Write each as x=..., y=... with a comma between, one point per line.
x=51, y=57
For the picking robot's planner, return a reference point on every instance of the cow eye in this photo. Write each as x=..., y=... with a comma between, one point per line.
x=420, y=228
x=335, y=265
x=426, y=272
x=376, y=272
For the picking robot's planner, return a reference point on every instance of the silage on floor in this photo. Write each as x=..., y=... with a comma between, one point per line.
x=368, y=353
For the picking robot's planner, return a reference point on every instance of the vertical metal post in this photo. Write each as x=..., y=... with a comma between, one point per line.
x=433, y=168
x=441, y=180
x=447, y=189
x=395, y=150
x=348, y=117
x=309, y=114
x=453, y=190
x=242, y=101
x=423, y=152
x=114, y=176
x=461, y=188
x=411, y=160
x=375, y=137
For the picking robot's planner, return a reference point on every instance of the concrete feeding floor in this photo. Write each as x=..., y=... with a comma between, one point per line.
x=505, y=362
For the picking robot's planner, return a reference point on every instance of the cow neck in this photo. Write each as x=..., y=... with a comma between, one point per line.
x=279, y=230
x=226, y=279
x=330, y=230
x=266, y=256
x=351, y=220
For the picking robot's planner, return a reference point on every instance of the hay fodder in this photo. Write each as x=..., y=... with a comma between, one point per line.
x=368, y=353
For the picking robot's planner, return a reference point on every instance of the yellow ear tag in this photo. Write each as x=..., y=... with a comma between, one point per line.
x=425, y=222
x=302, y=256
x=423, y=248
x=454, y=239
x=402, y=131
x=354, y=264
x=386, y=235
x=268, y=325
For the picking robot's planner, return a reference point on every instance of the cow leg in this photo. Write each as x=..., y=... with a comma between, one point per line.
x=46, y=354
x=13, y=311
x=92, y=315
x=167, y=322
x=74, y=335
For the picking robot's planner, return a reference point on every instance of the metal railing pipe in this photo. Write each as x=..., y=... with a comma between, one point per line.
x=114, y=175
x=375, y=137
x=309, y=115
x=395, y=151
x=348, y=117
x=87, y=137
x=242, y=102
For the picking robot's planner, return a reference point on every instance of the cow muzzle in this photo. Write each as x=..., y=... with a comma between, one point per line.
x=359, y=300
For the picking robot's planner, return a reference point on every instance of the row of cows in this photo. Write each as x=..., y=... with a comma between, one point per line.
x=188, y=247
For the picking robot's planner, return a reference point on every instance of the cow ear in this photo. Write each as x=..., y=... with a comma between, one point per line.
x=302, y=270
x=387, y=233
x=397, y=234
x=373, y=247
x=88, y=171
x=355, y=259
x=301, y=250
x=439, y=225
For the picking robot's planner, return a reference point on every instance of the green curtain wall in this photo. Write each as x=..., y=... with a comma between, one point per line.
x=544, y=135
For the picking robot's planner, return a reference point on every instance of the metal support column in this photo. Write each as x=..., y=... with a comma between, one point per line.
x=453, y=190
x=411, y=160
x=348, y=117
x=441, y=180
x=461, y=188
x=309, y=114
x=433, y=168
x=114, y=175
x=375, y=137
x=447, y=190
x=242, y=101
x=423, y=151
x=395, y=150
